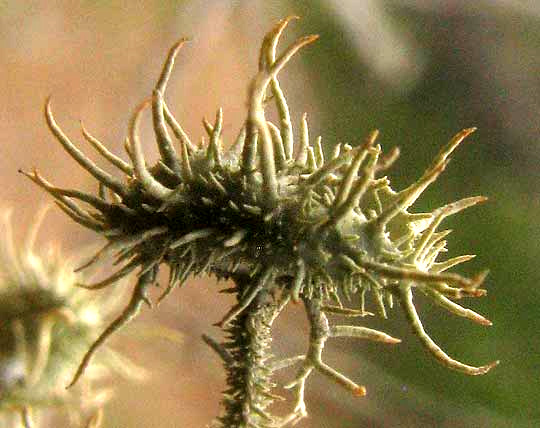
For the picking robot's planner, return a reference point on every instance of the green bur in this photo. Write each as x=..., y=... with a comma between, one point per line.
x=282, y=221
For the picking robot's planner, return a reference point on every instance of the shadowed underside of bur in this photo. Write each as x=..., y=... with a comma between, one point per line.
x=275, y=210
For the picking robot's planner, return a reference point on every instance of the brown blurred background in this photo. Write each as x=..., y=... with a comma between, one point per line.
x=417, y=70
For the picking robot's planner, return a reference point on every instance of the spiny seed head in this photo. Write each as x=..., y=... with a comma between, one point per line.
x=272, y=204
x=46, y=326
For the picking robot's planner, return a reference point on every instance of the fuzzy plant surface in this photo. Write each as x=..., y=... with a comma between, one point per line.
x=279, y=218
x=46, y=326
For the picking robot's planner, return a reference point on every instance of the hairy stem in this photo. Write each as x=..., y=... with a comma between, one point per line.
x=248, y=377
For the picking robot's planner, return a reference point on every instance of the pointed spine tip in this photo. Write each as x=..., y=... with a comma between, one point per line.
x=179, y=44
x=373, y=135
x=49, y=117
x=290, y=18
x=459, y=137
x=360, y=391
x=481, y=199
x=485, y=369
x=169, y=63
x=48, y=102
x=479, y=278
x=484, y=321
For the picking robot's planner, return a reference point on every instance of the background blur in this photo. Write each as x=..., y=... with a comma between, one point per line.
x=418, y=70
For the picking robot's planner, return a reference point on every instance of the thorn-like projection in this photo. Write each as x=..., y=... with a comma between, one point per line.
x=177, y=130
x=62, y=194
x=150, y=184
x=103, y=151
x=332, y=166
x=102, y=176
x=408, y=196
x=438, y=216
x=219, y=349
x=406, y=300
x=257, y=123
x=76, y=214
x=298, y=280
x=279, y=148
x=125, y=270
x=26, y=417
x=302, y=155
x=319, y=334
x=214, y=145
x=352, y=172
x=453, y=307
x=362, y=333
x=238, y=145
x=278, y=218
x=193, y=236
x=358, y=190
x=164, y=142
x=252, y=292
x=235, y=238
x=138, y=297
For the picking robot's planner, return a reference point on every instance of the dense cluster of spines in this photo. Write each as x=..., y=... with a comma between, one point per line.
x=322, y=228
